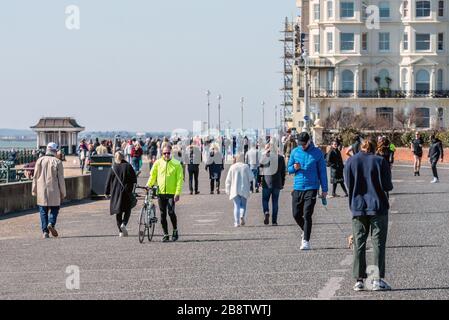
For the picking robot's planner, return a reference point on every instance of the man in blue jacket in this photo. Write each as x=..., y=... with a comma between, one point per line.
x=309, y=167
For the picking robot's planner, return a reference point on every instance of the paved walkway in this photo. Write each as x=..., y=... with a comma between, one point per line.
x=214, y=260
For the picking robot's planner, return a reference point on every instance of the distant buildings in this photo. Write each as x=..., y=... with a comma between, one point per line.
x=382, y=73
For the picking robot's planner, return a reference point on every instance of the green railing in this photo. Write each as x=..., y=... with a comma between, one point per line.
x=20, y=157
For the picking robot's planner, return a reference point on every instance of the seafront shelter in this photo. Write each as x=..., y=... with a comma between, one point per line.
x=63, y=131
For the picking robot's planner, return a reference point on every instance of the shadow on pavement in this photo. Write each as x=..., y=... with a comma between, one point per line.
x=420, y=289
x=427, y=212
x=415, y=193
x=226, y=240
x=419, y=246
x=36, y=210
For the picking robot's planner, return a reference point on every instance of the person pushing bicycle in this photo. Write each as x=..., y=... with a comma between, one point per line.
x=167, y=174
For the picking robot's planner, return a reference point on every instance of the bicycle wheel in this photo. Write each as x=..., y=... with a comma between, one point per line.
x=142, y=224
x=151, y=222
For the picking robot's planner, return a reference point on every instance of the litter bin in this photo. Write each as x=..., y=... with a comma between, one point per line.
x=100, y=166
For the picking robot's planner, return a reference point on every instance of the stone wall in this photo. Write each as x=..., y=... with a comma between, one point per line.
x=17, y=196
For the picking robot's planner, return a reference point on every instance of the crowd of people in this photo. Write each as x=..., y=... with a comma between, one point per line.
x=365, y=178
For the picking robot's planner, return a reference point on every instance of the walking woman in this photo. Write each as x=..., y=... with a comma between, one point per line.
x=215, y=166
x=416, y=147
x=369, y=180
x=136, y=157
x=383, y=149
x=238, y=184
x=119, y=186
x=335, y=162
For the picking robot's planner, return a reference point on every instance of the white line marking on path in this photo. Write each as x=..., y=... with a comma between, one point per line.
x=206, y=220
x=331, y=288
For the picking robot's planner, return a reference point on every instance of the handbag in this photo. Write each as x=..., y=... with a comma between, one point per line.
x=132, y=195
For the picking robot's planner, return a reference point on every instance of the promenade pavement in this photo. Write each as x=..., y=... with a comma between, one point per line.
x=215, y=260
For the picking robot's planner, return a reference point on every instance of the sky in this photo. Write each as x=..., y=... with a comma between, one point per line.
x=141, y=65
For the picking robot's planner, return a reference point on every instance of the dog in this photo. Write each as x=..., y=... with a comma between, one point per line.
x=350, y=242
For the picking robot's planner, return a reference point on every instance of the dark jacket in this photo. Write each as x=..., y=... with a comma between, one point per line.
x=335, y=162
x=121, y=197
x=273, y=177
x=436, y=150
x=368, y=178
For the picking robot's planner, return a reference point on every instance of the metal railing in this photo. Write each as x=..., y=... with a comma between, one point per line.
x=395, y=94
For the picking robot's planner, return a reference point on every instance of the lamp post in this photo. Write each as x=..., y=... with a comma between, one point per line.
x=275, y=116
x=263, y=115
x=242, y=100
x=208, y=111
x=306, y=127
x=219, y=115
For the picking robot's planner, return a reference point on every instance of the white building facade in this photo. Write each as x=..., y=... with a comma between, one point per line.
x=376, y=58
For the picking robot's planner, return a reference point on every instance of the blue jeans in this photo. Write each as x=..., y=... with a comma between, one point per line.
x=256, y=179
x=45, y=219
x=239, y=208
x=274, y=194
x=136, y=164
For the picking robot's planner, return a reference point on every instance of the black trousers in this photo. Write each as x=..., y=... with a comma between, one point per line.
x=434, y=169
x=194, y=170
x=303, y=204
x=167, y=205
x=334, y=188
x=123, y=217
x=212, y=184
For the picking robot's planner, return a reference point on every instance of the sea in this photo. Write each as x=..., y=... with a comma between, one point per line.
x=17, y=144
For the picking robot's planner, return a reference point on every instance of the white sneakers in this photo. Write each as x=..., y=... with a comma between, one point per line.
x=236, y=225
x=375, y=285
x=435, y=180
x=380, y=285
x=305, y=245
x=124, y=232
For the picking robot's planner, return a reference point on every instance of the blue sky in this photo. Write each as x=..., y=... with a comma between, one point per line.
x=140, y=65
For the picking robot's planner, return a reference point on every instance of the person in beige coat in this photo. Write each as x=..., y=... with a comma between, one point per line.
x=49, y=188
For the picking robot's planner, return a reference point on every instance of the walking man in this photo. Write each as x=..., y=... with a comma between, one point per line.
x=272, y=173
x=369, y=180
x=167, y=175
x=435, y=153
x=309, y=167
x=193, y=160
x=49, y=187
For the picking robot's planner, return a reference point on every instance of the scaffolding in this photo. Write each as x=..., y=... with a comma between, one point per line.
x=289, y=41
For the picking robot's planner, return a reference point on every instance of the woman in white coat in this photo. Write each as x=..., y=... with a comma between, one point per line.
x=238, y=183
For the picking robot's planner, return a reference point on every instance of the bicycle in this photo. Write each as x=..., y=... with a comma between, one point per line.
x=148, y=217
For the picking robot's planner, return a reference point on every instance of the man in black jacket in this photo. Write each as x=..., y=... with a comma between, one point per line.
x=272, y=174
x=435, y=153
x=368, y=178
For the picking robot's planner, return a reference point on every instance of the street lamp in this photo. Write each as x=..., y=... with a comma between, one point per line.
x=305, y=127
x=242, y=100
x=219, y=119
x=263, y=115
x=275, y=116
x=208, y=111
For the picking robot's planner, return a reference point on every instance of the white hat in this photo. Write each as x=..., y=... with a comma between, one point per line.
x=52, y=146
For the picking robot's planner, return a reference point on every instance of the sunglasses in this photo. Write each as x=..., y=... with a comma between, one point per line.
x=166, y=153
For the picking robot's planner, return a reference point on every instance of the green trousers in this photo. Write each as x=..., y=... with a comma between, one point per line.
x=361, y=228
